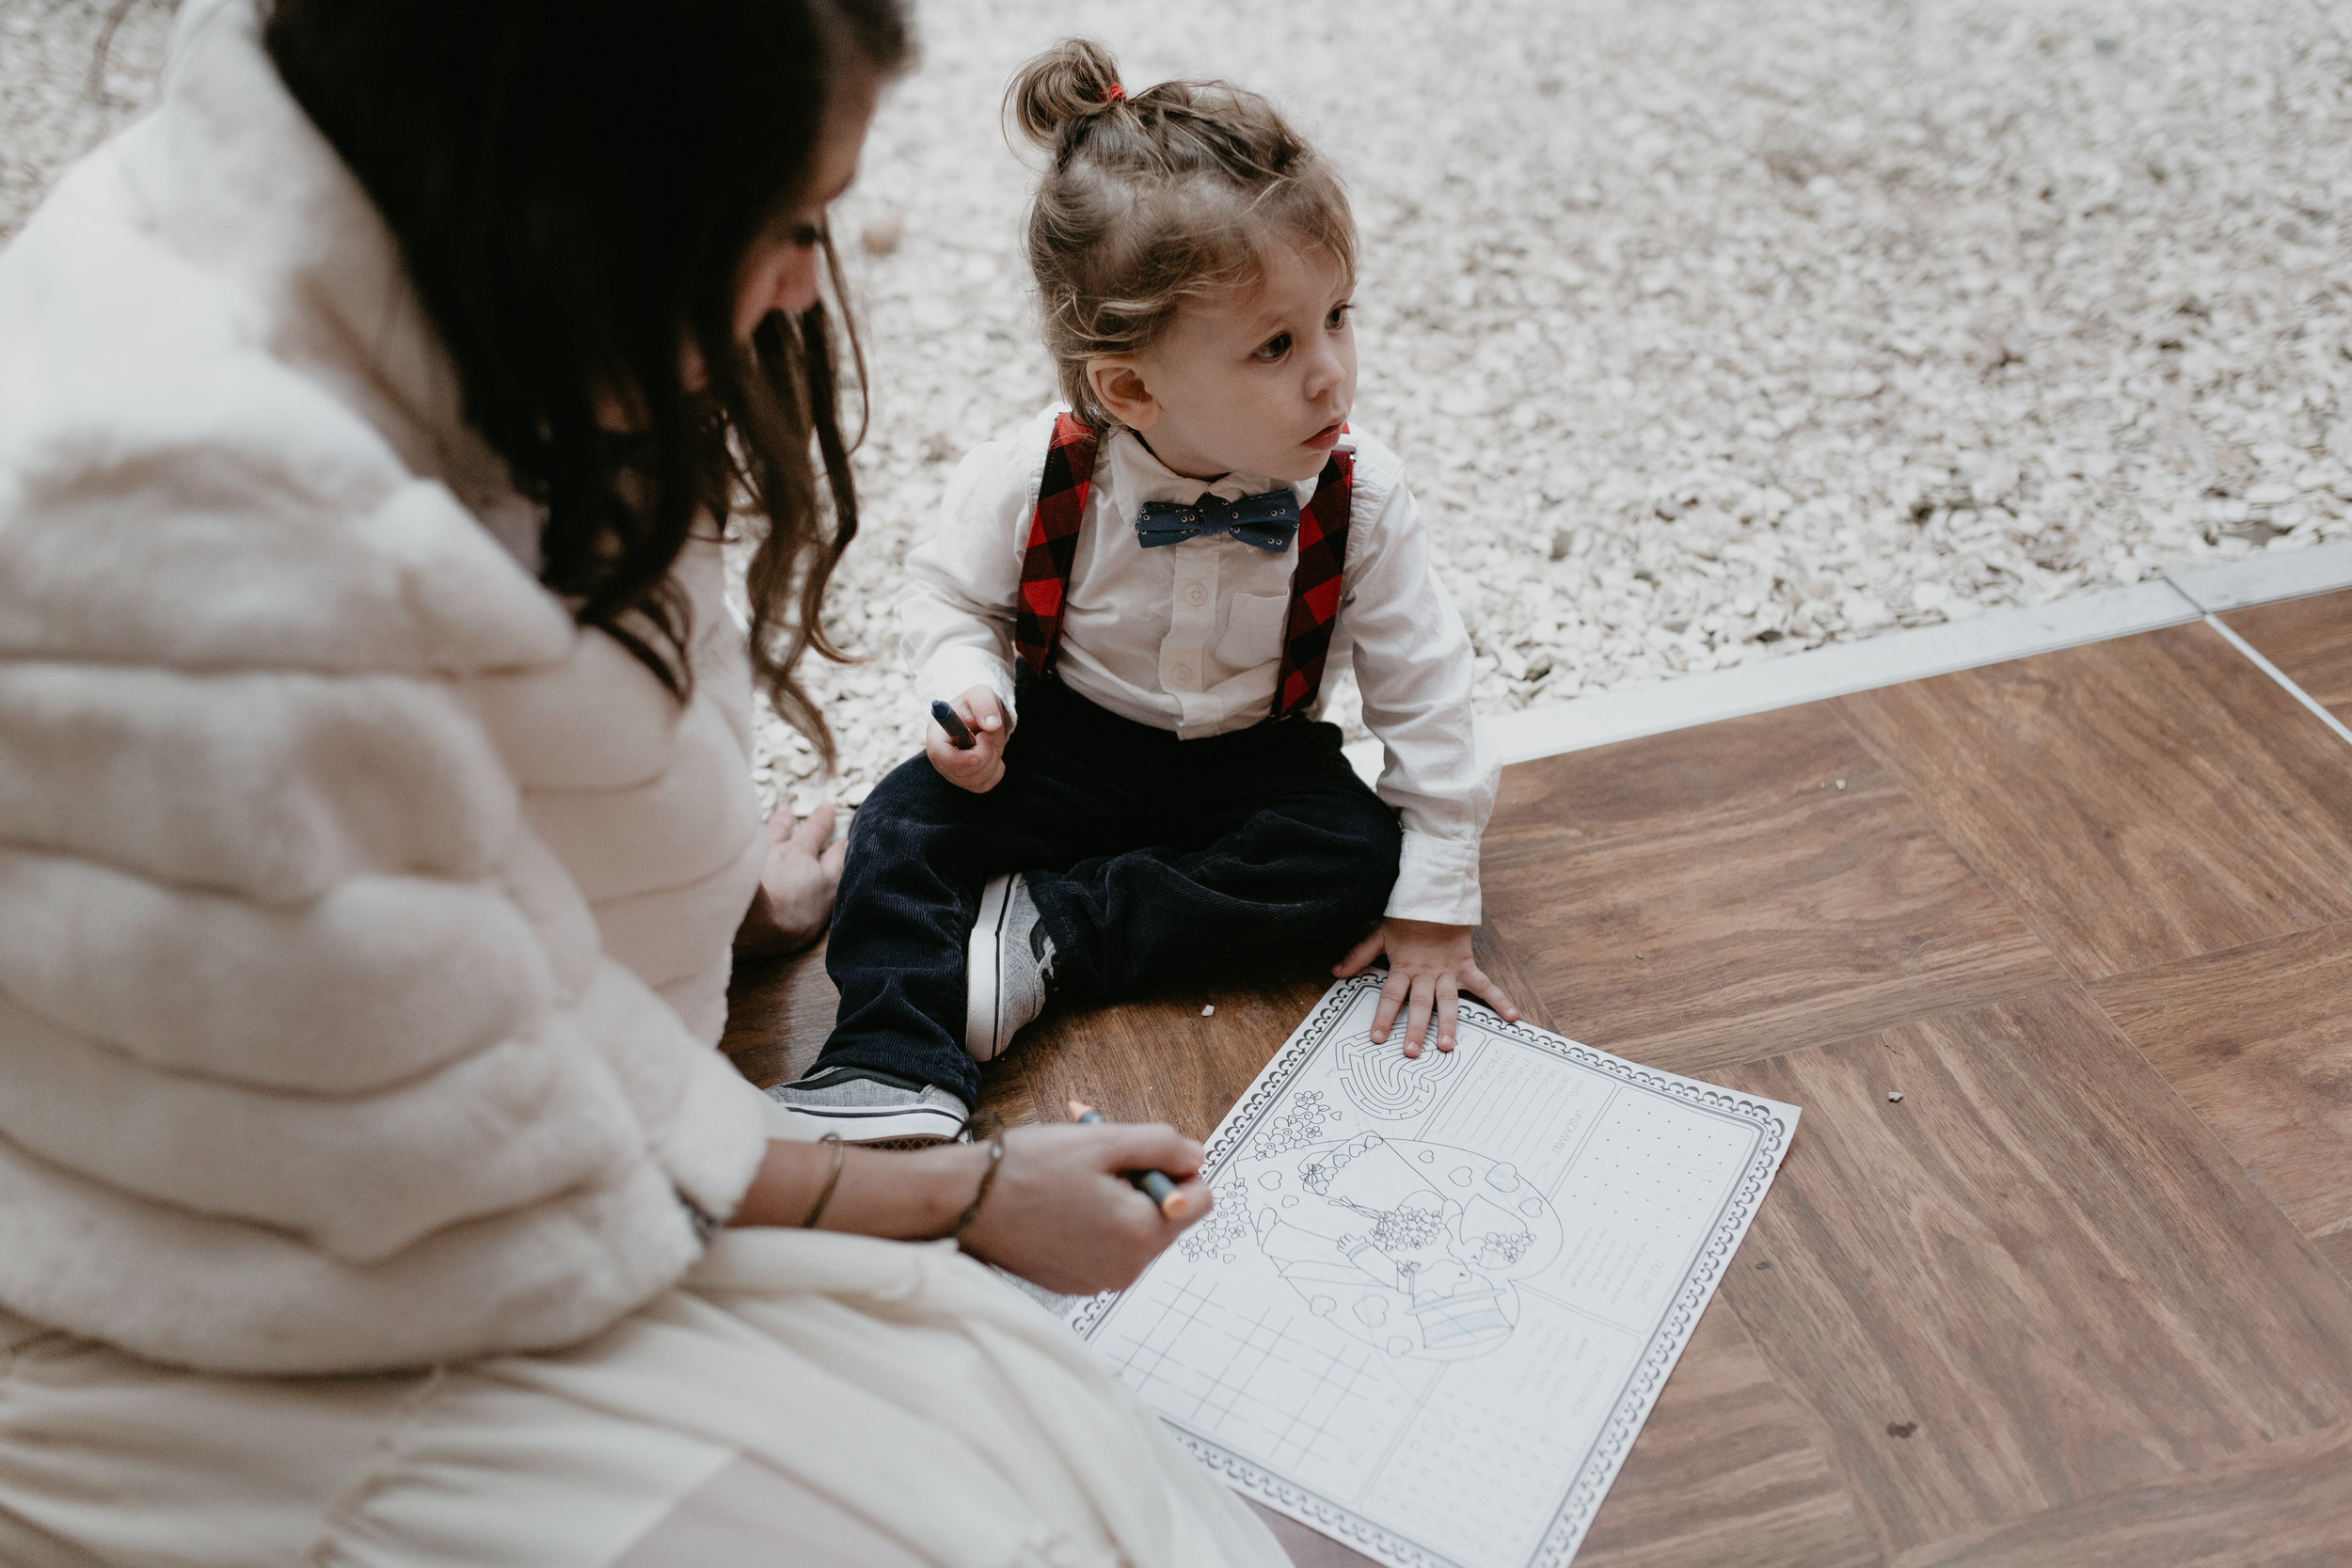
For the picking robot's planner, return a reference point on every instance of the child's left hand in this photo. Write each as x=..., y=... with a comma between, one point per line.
x=1431, y=965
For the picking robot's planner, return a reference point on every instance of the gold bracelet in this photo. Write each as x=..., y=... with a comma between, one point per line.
x=831, y=1181
x=988, y=1180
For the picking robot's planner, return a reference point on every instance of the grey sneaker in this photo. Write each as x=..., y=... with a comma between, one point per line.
x=1008, y=971
x=868, y=1106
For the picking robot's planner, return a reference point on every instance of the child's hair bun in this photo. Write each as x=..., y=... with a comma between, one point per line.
x=1076, y=77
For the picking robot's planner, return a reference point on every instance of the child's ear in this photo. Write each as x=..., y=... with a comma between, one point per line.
x=1118, y=386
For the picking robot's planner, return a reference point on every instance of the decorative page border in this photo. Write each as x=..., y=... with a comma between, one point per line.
x=1772, y=1124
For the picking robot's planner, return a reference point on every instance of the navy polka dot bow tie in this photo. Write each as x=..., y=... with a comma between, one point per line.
x=1268, y=520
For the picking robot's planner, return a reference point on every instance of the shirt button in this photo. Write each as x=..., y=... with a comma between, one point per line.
x=1183, y=672
x=1195, y=594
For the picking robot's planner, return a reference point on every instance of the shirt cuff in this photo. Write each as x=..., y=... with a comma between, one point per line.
x=956, y=670
x=1437, y=879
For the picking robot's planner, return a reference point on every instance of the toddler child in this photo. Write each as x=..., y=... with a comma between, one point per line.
x=1131, y=606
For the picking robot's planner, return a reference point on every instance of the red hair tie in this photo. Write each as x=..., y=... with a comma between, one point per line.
x=1115, y=94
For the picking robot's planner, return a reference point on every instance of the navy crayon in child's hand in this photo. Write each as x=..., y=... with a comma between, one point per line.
x=1152, y=1184
x=959, y=732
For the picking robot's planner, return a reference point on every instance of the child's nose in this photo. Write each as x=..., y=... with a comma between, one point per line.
x=1325, y=370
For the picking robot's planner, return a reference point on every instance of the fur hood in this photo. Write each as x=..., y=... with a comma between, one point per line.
x=363, y=921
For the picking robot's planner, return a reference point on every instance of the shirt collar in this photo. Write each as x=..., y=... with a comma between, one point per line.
x=1137, y=477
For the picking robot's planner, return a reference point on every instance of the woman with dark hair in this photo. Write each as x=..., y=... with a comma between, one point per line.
x=376, y=819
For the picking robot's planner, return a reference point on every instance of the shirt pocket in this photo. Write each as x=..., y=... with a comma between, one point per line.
x=1253, y=630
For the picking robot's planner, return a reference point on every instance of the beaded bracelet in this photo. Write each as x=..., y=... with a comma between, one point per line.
x=831, y=1181
x=988, y=1180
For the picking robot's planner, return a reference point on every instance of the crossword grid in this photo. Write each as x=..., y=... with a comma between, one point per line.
x=1335, y=1372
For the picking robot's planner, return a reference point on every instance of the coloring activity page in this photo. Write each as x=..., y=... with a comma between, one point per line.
x=1438, y=1295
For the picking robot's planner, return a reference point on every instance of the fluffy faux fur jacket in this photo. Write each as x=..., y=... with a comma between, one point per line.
x=363, y=922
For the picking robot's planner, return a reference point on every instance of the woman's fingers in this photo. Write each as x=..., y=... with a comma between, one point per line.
x=1127, y=1145
x=814, y=830
x=1188, y=1205
x=1449, y=994
x=1063, y=1214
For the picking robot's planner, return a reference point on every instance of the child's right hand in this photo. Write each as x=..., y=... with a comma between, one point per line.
x=978, y=769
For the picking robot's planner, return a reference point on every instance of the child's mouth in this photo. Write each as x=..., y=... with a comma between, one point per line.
x=1328, y=435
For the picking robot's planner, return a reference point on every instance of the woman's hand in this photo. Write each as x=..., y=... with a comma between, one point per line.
x=796, y=886
x=978, y=769
x=1061, y=1210
x=1062, y=1213
x=1429, y=967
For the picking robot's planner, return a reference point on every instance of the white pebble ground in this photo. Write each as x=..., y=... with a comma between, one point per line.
x=1710, y=330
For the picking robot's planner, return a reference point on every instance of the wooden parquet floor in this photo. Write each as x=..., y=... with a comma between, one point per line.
x=2080, y=1297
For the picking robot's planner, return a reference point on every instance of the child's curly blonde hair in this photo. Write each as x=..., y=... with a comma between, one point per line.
x=1179, y=193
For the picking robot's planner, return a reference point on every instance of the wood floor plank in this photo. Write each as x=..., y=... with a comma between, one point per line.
x=2286, y=1505
x=1501, y=964
x=1725, y=1474
x=1713, y=895
x=1309, y=1548
x=2259, y=1041
x=2139, y=801
x=1137, y=1053
x=2310, y=640
x=2035, y=1281
x=1157, y=1057
x=779, y=1012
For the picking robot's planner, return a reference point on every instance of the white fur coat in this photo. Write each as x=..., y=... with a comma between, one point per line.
x=363, y=922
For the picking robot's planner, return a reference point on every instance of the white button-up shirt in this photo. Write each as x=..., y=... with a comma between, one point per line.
x=1188, y=637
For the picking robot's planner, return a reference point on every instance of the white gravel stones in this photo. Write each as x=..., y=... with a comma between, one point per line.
x=1712, y=332
x=1709, y=332
x=54, y=102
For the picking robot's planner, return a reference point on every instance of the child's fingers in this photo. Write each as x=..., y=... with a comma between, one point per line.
x=1392, y=992
x=1359, y=957
x=1417, y=1014
x=1449, y=994
x=981, y=709
x=832, y=859
x=1491, y=993
x=948, y=763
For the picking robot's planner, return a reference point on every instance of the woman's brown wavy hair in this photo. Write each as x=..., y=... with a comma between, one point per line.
x=574, y=185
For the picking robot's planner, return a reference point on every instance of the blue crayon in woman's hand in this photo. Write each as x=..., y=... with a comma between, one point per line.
x=947, y=717
x=1152, y=1184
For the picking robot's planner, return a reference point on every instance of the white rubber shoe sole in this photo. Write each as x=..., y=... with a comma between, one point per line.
x=984, y=1031
x=917, y=1118
x=1007, y=968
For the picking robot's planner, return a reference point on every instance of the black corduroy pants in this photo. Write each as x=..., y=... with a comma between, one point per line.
x=1149, y=858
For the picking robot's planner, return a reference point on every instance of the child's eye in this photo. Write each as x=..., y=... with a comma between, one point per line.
x=807, y=235
x=1273, y=348
x=1340, y=315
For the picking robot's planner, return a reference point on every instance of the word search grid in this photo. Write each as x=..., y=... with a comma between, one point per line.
x=1437, y=1297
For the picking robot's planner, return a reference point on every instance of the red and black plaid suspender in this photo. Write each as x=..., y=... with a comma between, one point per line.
x=1053, y=549
x=1061, y=505
x=1315, y=584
